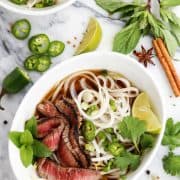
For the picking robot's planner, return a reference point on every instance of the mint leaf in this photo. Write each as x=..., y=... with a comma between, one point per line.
x=127, y=160
x=40, y=150
x=171, y=164
x=26, y=138
x=126, y=40
x=31, y=125
x=14, y=136
x=132, y=128
x=169, y=3
x=26, y=155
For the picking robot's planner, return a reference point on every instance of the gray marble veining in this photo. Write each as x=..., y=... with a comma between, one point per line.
x=64, y=26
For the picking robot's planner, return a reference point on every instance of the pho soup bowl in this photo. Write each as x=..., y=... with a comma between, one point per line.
x=24, y=9
x=116, y=62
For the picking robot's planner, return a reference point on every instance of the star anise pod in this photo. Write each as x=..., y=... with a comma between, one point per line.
x=145, y=56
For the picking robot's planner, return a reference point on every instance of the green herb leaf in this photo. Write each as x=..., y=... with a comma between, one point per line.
x=126, y=160
x=126, y=40
x=169, y=3
x=40, y=150
x=14, y=136
x=31, y=125
x=110, y=6
x=168, y=16
x=172, y=134
x=147, y=141
x=132, y=128
x=171, y=164
x=176, y=32
x=138, y=1
x=26, y=155
x=155, y=25
x=26, y=138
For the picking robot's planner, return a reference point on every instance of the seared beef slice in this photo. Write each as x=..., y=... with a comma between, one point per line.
x=65, y=151
x=47, y=126
x=51, y=171
x=47, y=109
x=68, y=107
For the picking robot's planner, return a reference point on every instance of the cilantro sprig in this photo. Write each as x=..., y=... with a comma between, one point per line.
x=132, y=128
x=27, y=143
x=171, y=162
x=172, y=134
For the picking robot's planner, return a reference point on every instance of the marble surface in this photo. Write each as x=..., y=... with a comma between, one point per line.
x=64, y=26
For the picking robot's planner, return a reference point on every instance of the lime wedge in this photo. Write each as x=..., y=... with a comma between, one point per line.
x=142, y=110
x=92, y=37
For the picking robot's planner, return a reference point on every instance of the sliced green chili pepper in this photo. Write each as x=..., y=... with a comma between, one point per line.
x=14, y=82
x=89, y=147
x=112, y=104
x=56, y=48
x=92, y=109
x=44, y=63
x=19, y=1
x=101, y=136
x=88, y=130
x=39, y=44
x=115, y=148
x=21, y=29
x=31, y=62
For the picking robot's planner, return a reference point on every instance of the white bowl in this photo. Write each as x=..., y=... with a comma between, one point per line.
x=125, y=65
x=22, y=9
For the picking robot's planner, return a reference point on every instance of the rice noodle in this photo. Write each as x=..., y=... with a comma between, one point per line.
x=101, y=90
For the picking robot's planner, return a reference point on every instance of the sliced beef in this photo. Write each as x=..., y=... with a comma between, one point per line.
x=45, y=127
x=51, y=171
x=68, y=107
x=47, y=109
x=52, y=140
x=74, y=140
x=70, y=110
x=65, y=151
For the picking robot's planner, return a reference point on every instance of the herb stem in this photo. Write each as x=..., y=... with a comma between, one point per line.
x=149, y=5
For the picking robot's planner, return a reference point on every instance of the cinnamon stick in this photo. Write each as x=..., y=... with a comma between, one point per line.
x=166, y=68
x=169, y=61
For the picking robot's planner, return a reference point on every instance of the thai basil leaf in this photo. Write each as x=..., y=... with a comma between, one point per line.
x=31, y=125
x=14, y=136
x=169, y=3
x=26, y=138
x=40, y=150
x=26, y=155
x=126, y=40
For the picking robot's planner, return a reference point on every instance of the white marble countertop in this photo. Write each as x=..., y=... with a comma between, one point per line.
x=64, y=26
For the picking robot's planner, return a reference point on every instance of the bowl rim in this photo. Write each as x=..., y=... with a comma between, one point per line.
x=71, y=60
x=35, y=12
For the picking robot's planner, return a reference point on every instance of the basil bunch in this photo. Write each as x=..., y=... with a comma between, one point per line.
x=139, y=21
x=30, y=148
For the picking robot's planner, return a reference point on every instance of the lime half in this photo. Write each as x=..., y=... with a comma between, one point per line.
x=92, y=37
x=142, y=109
